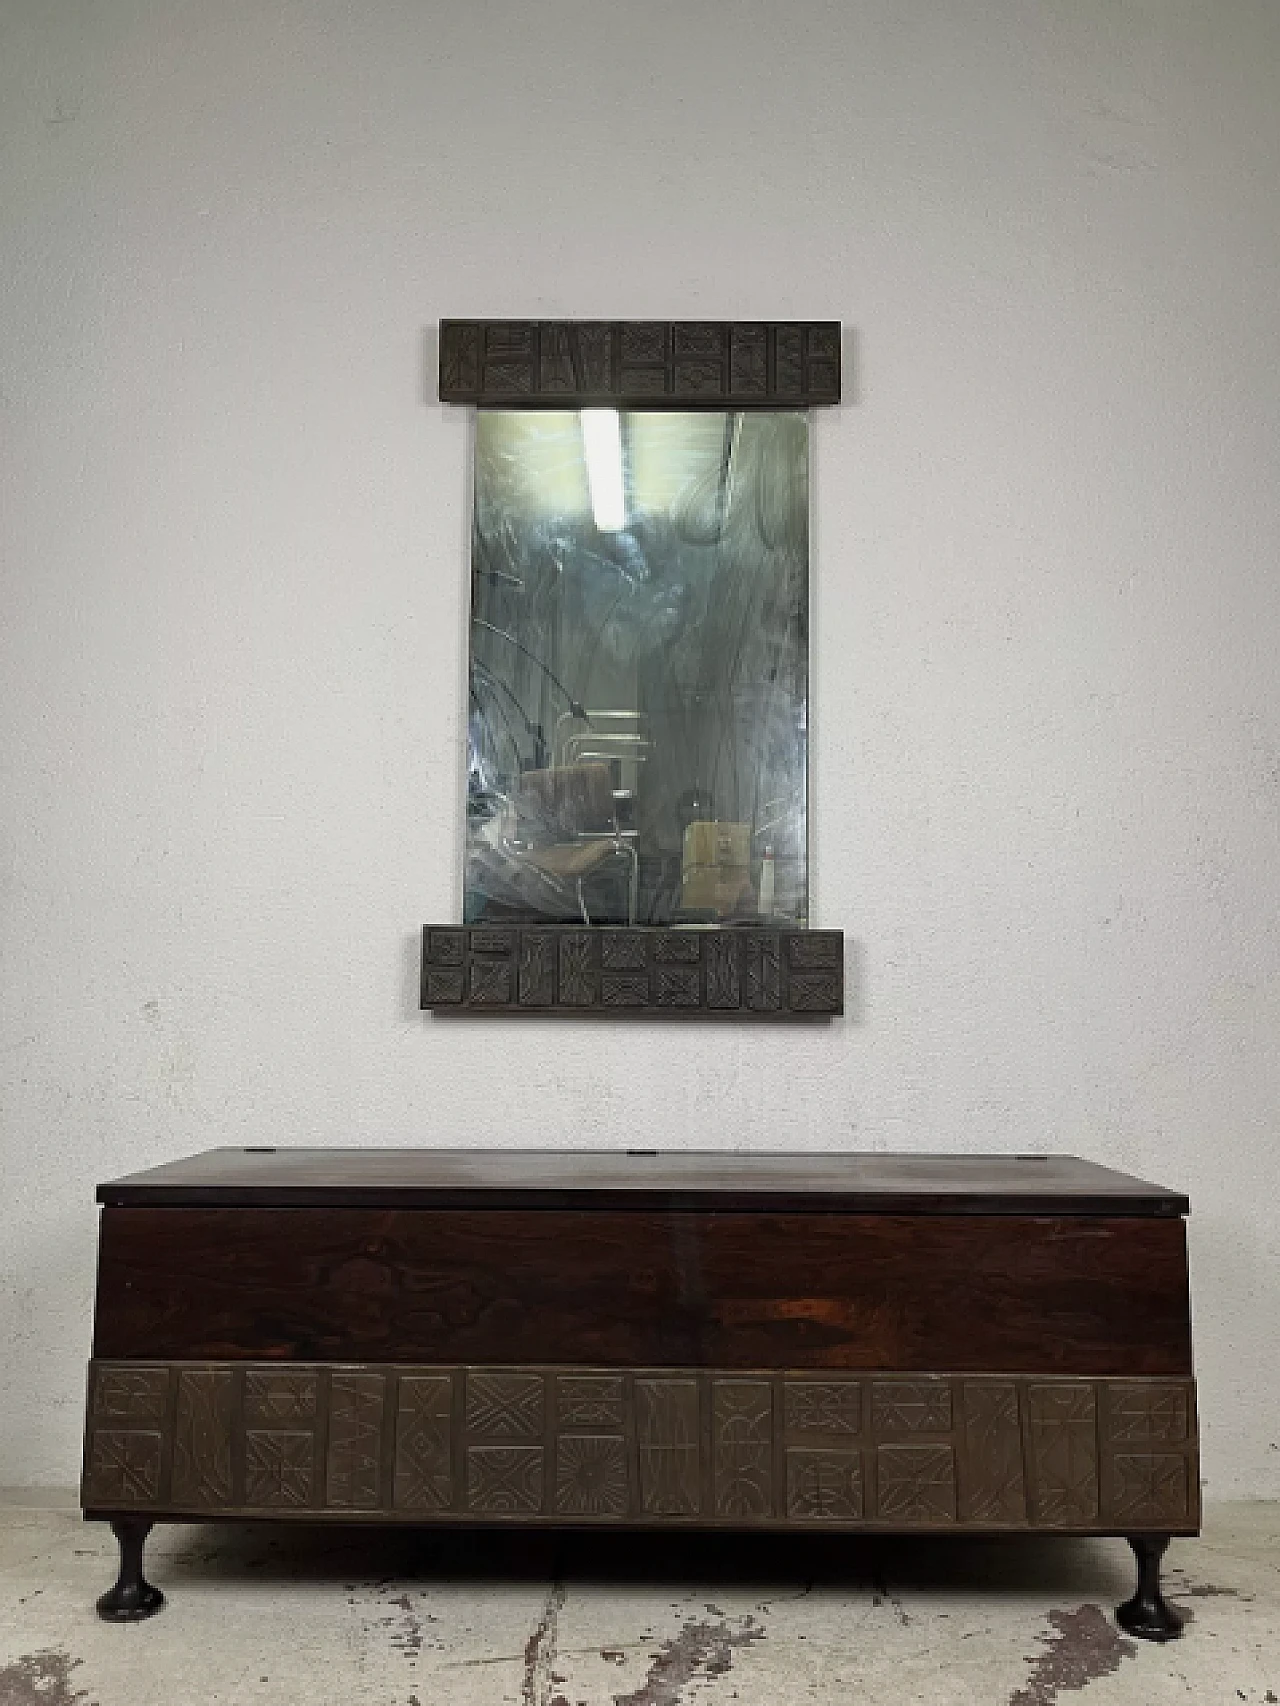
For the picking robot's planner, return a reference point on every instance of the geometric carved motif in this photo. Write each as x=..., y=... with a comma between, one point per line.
x=124, y=1467
x=741, y=1422
x=764, y=972
x=1064, y=1454
x=504, y=1480
x=354, y=1467
x=1150, y=1488
x=589, y=1401
x=202, y=1437
x=668, y=1433
x=504, y=1406
x=1147, y=1415
x=132, y=1395
x=279, y=1468
x=911, y=1407
x=537, y=970
x=994, y=1487
x=591, y=1475
x=816, y=950
x=677, y=947
x=815, y=991
x=490, y=982
x=279, y=1397
x=577, y=978
x=677, y=986
x=552, y=1443
x=624, y=989
x=824, y=1485
x=917, y=1483
x=784, y=973
x=724, y=976
x=823, y=1407
x=620, y=951
x=569, y=363
x=424, y=1463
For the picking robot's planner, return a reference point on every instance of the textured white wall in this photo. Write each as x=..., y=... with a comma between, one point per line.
x=232, y=542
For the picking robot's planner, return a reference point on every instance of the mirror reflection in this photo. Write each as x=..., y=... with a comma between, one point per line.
x=639, y=668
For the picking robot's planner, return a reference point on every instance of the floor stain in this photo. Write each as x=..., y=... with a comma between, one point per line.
x=41, y=1679
x=1083, y=1647
x=540, y=1652
x=699, y=1650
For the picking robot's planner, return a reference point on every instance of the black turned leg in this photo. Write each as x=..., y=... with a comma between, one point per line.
x=1147, y=1614
x=133, y=1596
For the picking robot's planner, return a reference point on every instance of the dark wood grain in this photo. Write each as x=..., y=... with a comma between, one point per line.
x=641, y=1179
x=971, y=1293
x=649, y=364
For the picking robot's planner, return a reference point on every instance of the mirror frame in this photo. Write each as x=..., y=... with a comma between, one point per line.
x=727, y=972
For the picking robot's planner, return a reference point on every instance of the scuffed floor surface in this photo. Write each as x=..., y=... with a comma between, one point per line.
x=290, y=1617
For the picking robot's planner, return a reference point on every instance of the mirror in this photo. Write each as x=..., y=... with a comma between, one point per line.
x=638, y=692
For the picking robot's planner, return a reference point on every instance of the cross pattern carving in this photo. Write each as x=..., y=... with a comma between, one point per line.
x=423, y=1474
x=1150, y=1488
x=1148, y=1415
x=278, y=1468
x=504, y=1406
x=917, y=1483
x=823, y=1407
x=124, y=1467
x=824, y=1486
x=279, y=1397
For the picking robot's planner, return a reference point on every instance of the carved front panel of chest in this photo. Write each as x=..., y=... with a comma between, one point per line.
x=708, y=1447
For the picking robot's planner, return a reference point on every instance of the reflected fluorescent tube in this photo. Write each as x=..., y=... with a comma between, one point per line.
x=602, y=446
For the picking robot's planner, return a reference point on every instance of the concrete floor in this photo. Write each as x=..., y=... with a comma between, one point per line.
x=307, y=1617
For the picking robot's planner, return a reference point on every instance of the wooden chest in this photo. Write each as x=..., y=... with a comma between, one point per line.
x=818, y=1342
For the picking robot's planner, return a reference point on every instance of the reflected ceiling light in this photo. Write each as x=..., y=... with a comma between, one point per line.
x=602, y=446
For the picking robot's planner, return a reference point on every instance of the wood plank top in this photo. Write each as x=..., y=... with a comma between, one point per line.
x=643, y=1180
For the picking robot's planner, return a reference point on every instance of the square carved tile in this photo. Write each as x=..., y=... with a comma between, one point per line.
x=824, y=1485
x=503, y=1406
x=504, y=1480
x=911, y=1406
x=917, y=1483
x=589, y=1401
x=591, y=1475
x=1147, y=1413
x=136, y=1395
x=822, y=1407
x=123, y=1468
x=279, y=1468
x=278, y=1398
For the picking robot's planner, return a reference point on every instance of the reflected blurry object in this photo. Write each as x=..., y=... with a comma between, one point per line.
x=639, y=617
x=608, y=735
x=694, y=804
x=716, y=869
x=766, y=897
x=567, y=827
x=602, y=446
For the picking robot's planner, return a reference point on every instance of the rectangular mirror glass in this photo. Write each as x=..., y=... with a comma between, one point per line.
x=638, y=745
